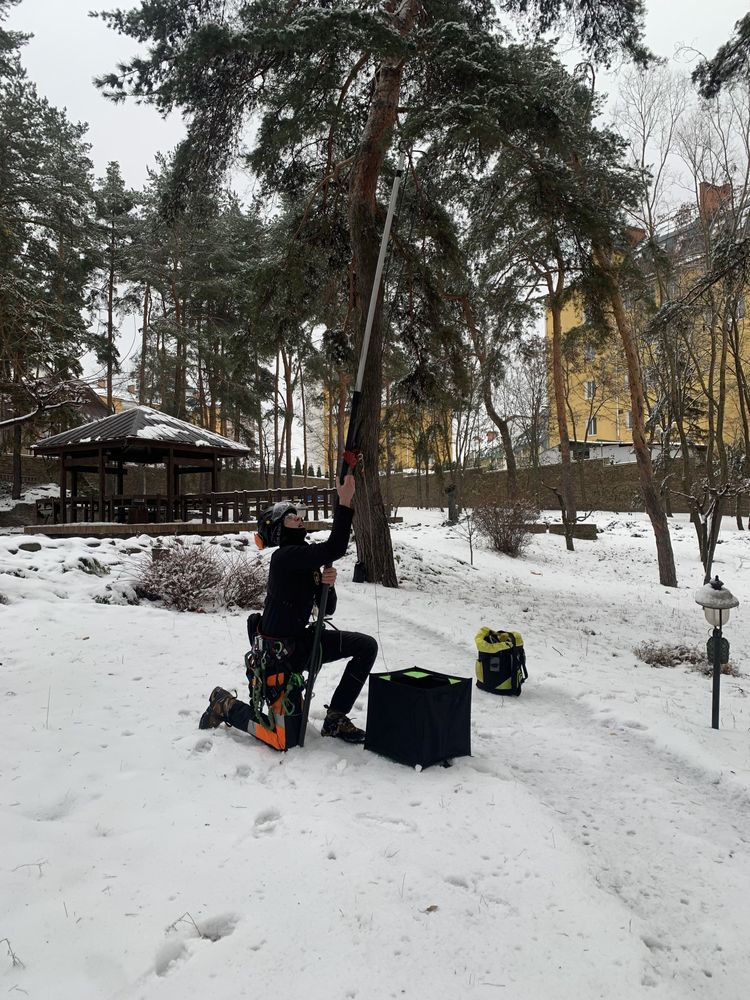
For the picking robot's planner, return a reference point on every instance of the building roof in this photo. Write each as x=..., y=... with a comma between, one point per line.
x=140, y=428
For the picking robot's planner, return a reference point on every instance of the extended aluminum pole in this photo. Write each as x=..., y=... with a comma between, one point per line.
x=348, y=459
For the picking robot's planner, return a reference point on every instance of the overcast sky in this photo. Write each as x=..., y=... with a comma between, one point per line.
x=69, y=49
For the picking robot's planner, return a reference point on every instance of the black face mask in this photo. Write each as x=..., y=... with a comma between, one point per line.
x=292, y=536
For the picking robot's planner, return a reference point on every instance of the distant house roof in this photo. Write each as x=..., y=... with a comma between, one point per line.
x=139, y=430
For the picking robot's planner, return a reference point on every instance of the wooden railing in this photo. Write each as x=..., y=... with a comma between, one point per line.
x=154, y=508
x=247, y=505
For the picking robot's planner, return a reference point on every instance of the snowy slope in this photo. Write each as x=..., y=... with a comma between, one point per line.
x=594, y=845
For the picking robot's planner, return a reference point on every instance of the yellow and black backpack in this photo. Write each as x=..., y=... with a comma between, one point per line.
x=501, y=661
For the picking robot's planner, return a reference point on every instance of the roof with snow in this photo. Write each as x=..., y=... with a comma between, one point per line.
x=141, y=430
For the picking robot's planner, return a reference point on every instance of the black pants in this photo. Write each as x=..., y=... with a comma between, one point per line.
x=360, y=648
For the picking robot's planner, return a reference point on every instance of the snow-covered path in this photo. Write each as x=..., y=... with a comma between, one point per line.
x=594, y=846
x=667, y=839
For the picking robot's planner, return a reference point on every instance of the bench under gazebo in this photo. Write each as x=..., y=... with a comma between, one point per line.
x=139, y=436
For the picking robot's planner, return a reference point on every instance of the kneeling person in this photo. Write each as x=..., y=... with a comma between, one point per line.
x=295, y=581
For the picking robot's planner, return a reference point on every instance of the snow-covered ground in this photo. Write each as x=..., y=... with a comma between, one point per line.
x=595, y=845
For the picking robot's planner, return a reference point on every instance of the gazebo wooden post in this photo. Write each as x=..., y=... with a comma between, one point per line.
x=63, y=488
x=176, y=479
x=73, y=495
x=215, y=474
x=102, y=486
x=170, y=483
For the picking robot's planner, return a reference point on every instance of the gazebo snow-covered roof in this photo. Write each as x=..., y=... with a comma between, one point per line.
x=141, y=428
x=141, y=436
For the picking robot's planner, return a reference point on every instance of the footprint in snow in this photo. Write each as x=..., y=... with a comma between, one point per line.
x=203, y=746
x=218, y=927
x=265, y=821
x=460, y=881
x=169, y=954
x=389, y=823
x=177, y=948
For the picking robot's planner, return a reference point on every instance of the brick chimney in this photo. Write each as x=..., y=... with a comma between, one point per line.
x=711, y=197
x=635, y=235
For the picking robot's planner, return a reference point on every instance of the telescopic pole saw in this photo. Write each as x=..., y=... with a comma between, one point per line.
x=349, y=458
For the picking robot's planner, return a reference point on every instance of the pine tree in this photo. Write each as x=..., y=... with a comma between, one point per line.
x=731, y=62
x=327, y=84
x=45, y=256
x=10, y=43
x=114, y=205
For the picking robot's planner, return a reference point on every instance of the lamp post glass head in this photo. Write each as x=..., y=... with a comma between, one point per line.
x=716, y=602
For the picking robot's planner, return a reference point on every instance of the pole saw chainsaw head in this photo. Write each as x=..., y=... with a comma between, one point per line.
x=271, y=523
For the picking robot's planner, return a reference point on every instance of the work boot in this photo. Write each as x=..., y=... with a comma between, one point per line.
x=338, y=725
x=219, y=704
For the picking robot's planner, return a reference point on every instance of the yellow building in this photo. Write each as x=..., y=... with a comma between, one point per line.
x=407, y=443
x=597, y=392
x=596, y=385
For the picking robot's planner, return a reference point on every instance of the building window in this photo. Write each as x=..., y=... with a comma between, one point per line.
x=626, y=383
x=629, y=420
x=589, y=388
x=588, y=352
x=591, y=427
x=740, y=307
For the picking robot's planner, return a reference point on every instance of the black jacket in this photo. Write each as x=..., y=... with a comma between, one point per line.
x=294, y=579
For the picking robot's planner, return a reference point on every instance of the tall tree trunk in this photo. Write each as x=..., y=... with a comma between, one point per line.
x=262, y=468
x=142, y=397
x=388, y=449
x=17, y=481
x=329, y=452
x=652, y=502
x=721, y=405
x=212, y=377
x=711, y=396
x=373, y=535
x=343, y=393
x=304, y=423
x=286, y=359
x=502, y=426
x=277, y=445
x=180, y=373
x=111, y=319
x=223, y=400
x=489, y=405
x=555, y=287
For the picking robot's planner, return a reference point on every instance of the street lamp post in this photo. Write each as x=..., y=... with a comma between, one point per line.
x=716, y=602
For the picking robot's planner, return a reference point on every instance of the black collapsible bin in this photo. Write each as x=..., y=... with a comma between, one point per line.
x=419, y=717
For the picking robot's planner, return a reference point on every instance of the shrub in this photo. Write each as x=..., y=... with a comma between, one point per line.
x=194, y=577
x=504, y=522
x=183, y=577
x=243, y=583
x=658, y=654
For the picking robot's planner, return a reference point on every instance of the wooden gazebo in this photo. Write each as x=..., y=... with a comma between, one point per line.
x=139, y=436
